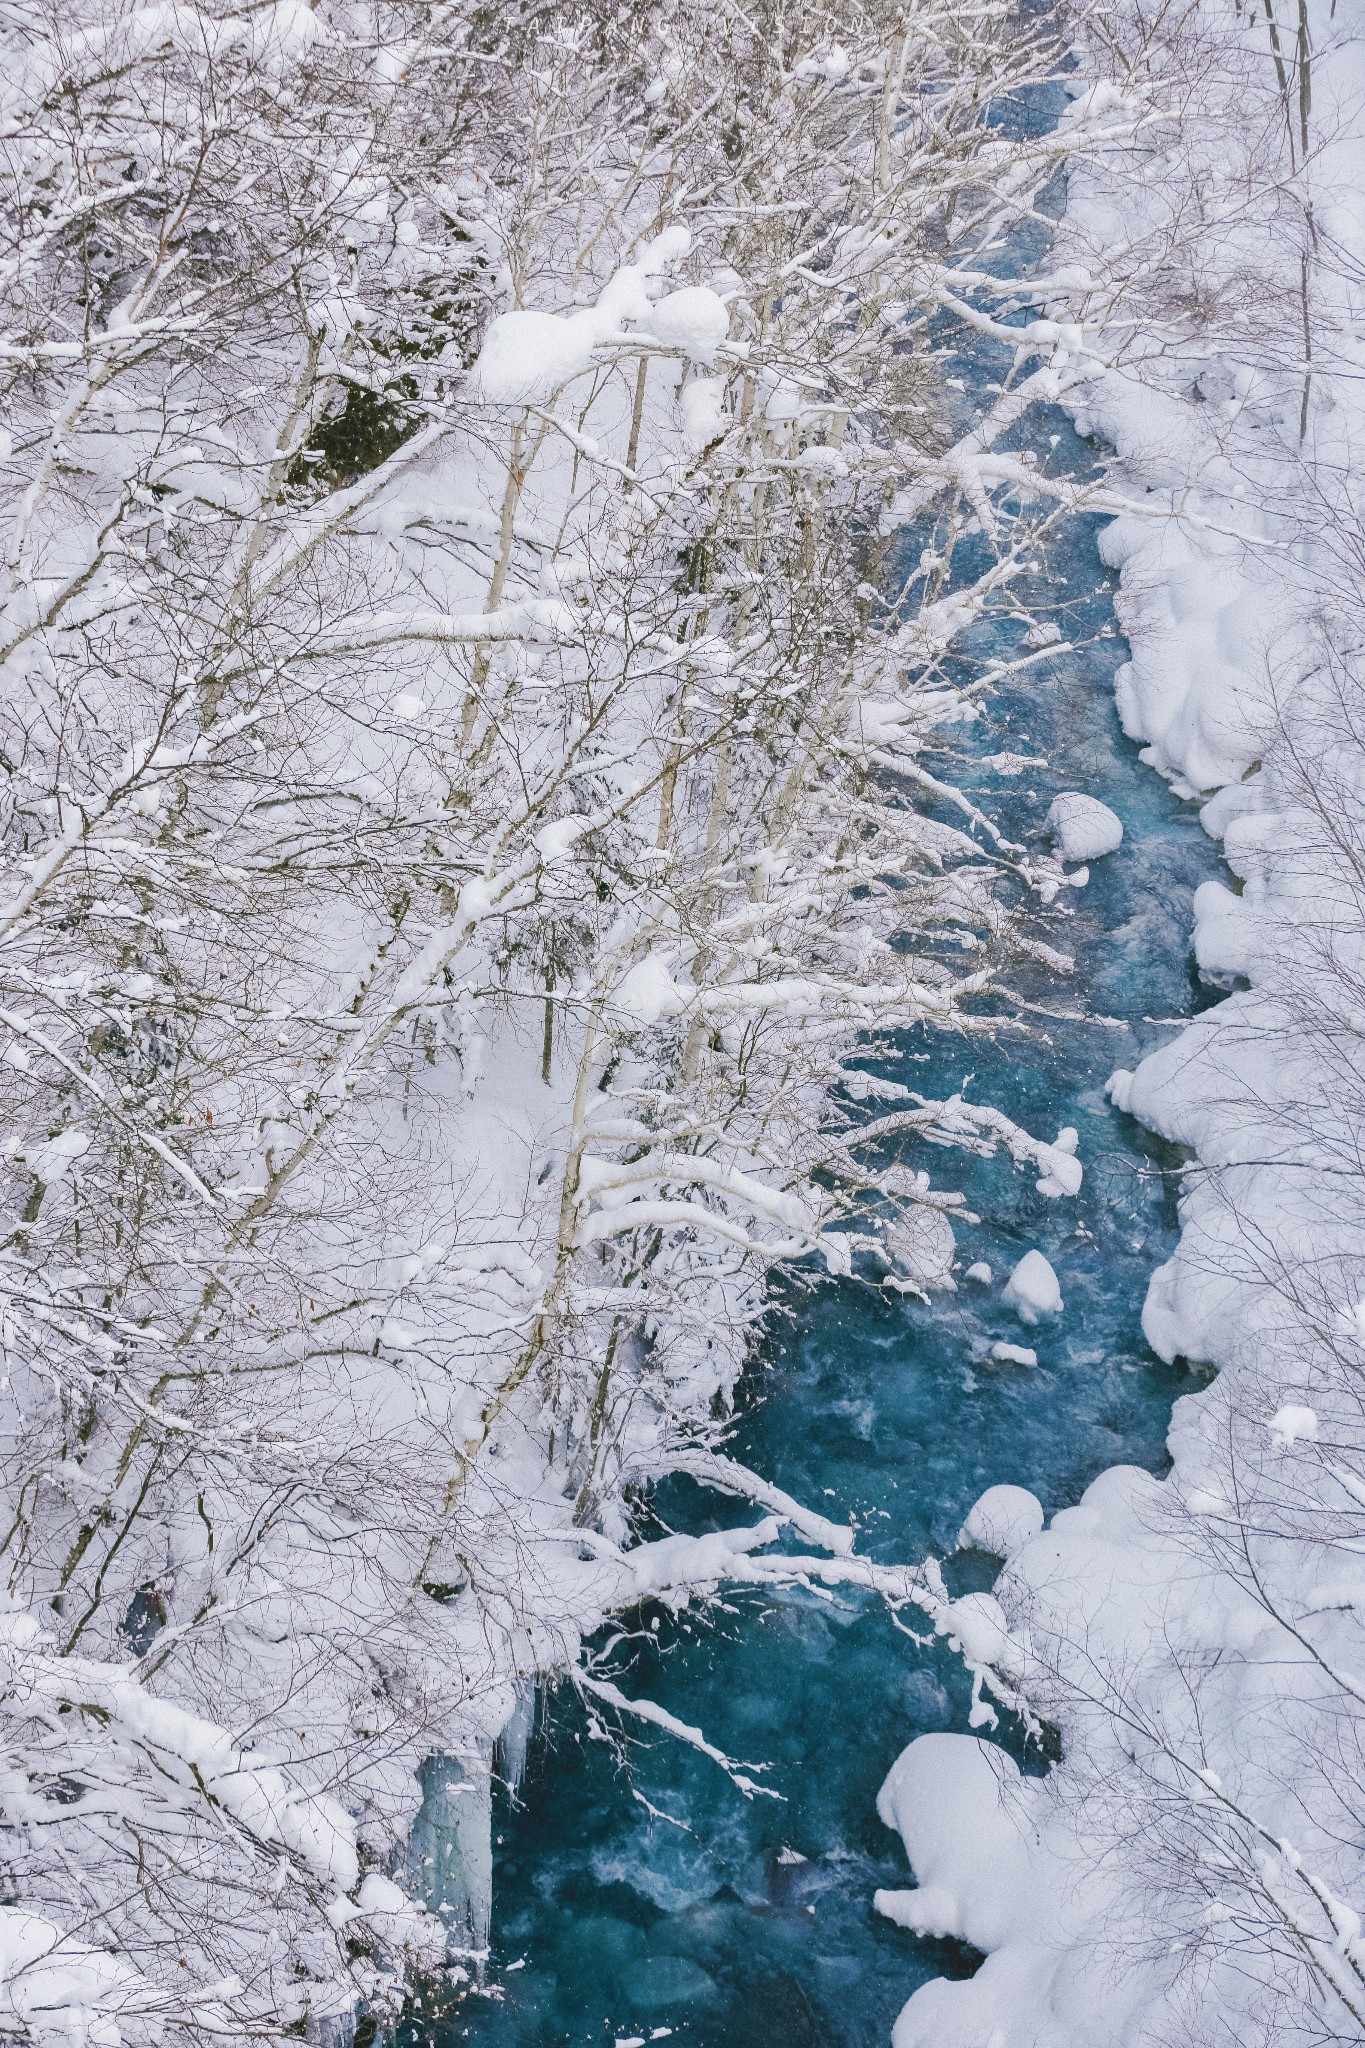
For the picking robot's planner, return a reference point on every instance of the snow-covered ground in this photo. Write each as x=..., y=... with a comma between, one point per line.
x=1194, y=1870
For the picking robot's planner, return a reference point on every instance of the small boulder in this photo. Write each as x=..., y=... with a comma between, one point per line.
x=1032, y=1289
x=1002, y=1522
x=1082, y=827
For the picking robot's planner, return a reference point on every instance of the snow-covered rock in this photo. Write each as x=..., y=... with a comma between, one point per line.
x=1062, y=1172
x=1033, y=1289
x=943, y=1792
x=1012, y=1354
x=1082, y=827
x=1002, y=1522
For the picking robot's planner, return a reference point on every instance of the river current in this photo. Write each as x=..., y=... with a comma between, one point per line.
x=654, y=1901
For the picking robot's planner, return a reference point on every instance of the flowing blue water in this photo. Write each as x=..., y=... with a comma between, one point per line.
x=737, y=1924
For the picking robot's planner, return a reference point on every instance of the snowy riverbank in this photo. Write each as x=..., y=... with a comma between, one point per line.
x=1194, y=1867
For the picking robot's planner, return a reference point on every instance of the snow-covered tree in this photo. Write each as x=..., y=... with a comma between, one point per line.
x=469, y=790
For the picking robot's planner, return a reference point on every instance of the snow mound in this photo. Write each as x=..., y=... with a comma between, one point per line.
x=1012, y=1354
x=1002, y=1522
x=942, y=1793
x=1033, y=1290
x=1082, y=827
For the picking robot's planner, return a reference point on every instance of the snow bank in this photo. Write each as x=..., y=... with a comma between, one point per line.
x=997, y=1856
x=1188, y=1872
x=942, y=1792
